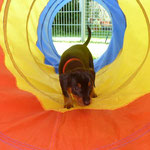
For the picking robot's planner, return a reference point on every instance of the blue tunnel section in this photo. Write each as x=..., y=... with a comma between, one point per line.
x=45, y=42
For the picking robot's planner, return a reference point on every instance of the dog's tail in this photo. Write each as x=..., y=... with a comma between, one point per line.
x=89, y=36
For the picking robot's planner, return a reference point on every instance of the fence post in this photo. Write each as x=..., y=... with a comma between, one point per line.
x=82, y=6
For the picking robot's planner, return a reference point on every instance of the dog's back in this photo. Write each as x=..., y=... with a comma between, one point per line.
x=78, y=51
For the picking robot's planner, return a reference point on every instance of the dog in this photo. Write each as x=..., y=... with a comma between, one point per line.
x=77, y=75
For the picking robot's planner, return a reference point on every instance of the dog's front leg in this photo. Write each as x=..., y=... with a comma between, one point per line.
x=93, y=94
x=68, y=102
x=68, y=99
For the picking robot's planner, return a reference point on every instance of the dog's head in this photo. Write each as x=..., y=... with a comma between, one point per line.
x=80, y=84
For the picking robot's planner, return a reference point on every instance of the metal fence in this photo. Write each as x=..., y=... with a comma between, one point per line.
x=70, y=22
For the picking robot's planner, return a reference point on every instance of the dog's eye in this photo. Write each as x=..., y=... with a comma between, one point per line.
x=77, y=87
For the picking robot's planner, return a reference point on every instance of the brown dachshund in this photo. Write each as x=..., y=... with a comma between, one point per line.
x=76, y=75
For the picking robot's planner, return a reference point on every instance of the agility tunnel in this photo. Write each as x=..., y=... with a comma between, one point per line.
x=32, y=116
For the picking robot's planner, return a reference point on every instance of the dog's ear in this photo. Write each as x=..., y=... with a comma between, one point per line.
x=92, y=75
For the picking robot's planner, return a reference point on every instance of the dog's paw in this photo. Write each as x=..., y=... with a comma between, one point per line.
x=68, y=106
x=94, y=95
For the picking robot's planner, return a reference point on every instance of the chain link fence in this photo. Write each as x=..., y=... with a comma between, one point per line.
x=71, y=21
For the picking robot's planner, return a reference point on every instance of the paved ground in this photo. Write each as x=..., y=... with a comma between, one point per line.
x=96, y=49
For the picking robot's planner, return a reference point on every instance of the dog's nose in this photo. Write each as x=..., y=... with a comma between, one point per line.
x=87, y=102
